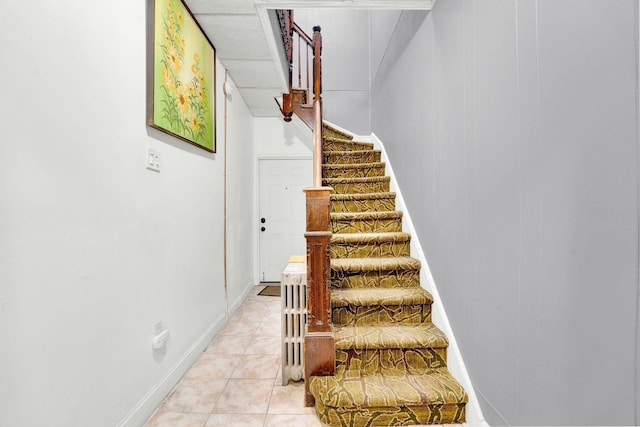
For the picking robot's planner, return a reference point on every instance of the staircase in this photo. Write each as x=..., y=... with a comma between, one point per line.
x=391, y=360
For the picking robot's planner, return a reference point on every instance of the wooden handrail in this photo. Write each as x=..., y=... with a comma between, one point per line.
x=317, y=107
x=319, y=342
x=302, y=34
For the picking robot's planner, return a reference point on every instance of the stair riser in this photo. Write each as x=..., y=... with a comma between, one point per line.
x=364, y=205
x=366, y=226
x=384, y=360
x=361, y=187
x=360, y=316
x=375, y=279
x=345, y=146
x=369, y=156
x=374, y=249
x=360, y=172
x=391, y=416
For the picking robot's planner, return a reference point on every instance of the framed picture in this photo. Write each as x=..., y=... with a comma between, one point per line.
x=180, y=75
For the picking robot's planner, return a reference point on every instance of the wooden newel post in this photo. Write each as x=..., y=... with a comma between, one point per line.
x=319, y=343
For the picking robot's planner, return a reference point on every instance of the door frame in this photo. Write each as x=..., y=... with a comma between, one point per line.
x=256, y=204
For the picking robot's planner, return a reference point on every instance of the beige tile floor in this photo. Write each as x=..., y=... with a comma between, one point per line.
x=236, y=382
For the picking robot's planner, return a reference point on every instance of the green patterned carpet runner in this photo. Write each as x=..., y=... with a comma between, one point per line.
x=391, y=361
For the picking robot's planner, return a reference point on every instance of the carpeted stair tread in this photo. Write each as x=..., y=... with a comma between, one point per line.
x=326, y=166
x=355, y=180
x=351, y=216
x=366, y=222
x=351, y=152
x=355, y=265
x=355, y=238
x=393, y=388
x=354, y=185
x=360, y=245
x=348, y=170
x=351, y=156
x=363, y=202
x=397, y=335
x=371, y=297
x=362, y=196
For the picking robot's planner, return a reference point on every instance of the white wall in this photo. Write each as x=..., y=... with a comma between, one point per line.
x=273, y=137
x=94, y=248
x=516, y=152
x=241, y=229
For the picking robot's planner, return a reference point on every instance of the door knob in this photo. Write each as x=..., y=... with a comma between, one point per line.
x=262, y=220
x=262, y=228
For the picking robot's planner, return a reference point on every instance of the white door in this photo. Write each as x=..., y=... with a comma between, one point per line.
x=282, y=214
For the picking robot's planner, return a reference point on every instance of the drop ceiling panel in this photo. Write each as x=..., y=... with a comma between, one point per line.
x=252, y=73
x=261, y=98
x=222, y=6
x=236, y=36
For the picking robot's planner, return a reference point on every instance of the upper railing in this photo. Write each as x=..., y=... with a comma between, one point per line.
x=304, y=46
x=300, y=53
x=304, y=55
x=285, y=19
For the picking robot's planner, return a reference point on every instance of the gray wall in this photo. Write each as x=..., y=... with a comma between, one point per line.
x=512, y=128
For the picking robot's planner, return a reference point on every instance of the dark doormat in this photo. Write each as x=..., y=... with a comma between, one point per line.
x=270, y=291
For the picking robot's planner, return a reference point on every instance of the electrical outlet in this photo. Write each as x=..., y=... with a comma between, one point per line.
x=160, y=337
x=153, y=159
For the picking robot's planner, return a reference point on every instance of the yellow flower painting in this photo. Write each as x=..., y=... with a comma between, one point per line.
x=183, y=75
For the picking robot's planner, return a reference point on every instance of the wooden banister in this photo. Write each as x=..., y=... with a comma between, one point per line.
x=317, y=108
x=319, y=341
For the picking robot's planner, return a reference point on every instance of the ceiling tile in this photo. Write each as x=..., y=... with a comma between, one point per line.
x=236, y=36
x=221, y=6
x=260, y=98
x=252, y=73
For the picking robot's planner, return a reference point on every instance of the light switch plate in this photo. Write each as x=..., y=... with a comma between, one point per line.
x=153, y=159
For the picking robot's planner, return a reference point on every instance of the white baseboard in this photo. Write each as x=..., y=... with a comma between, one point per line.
x=454, y=356
x=148, y=404
x=154, y=397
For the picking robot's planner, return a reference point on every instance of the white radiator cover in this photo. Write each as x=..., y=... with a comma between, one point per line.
x=294, y=318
